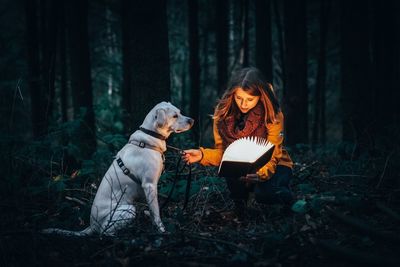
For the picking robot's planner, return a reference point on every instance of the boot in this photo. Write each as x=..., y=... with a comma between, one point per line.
x=240, y=209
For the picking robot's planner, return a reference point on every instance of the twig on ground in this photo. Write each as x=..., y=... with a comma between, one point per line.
x=364, y=227
x=388, y=211
x=349, y=175
x=75, y=200
x=357, y=256
x=213, y=240
x=384, y=169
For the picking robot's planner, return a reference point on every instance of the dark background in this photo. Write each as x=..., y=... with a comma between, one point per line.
x=78, y=77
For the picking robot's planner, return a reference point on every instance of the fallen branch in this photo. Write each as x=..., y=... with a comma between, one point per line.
x=356, y=256
x=384, y=169
x=213, y=240
x=349, y=175
x=364, y=227
x=74, y=199
x=388, y=211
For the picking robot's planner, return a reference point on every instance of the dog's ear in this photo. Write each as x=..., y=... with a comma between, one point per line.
x=161, y=118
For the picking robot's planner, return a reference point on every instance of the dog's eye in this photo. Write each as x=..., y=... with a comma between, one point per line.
x=176, y=116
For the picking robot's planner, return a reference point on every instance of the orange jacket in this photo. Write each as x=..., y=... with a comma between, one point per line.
x=213, y=156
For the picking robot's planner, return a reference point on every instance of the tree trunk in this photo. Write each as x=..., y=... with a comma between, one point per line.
x=126, y=65
x=48, y=38
x=319, y=131
x=39, y=126
x=281, y=43
x=295, y=91
x=78, y=44
x=145, y=58
x=222, y=9
x=63, y=65
x=244, y=51
x=194, y=67
x=356, y=87
x=111, y=53
x=264, y=38
x=386, y=62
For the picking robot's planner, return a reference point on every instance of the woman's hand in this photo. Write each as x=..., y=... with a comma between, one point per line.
x=192, y=155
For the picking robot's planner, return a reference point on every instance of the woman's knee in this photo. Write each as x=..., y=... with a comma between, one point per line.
x=264, y=191
x=283, y=175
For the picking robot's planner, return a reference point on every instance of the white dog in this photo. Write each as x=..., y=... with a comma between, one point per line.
x=134, y=173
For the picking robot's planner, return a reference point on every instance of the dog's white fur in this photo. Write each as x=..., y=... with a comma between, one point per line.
x=113, y=206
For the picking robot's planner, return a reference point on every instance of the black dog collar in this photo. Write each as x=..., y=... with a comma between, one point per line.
x=152, y=133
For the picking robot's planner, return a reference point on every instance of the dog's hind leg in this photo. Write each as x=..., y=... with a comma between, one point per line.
x=150, y=191
x=122, y=216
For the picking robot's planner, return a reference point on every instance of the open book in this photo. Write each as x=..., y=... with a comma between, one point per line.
x=245, y=155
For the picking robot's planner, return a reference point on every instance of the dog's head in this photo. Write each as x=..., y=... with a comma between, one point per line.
x=165, y=119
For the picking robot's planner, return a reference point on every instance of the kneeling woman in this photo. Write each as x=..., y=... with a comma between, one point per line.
x=249, y=107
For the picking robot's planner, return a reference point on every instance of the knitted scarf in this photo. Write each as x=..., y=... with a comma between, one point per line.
x=249, y=124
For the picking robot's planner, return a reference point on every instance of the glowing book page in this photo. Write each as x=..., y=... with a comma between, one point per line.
x=245, y=155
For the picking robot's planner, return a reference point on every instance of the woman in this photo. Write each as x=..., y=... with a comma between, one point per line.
x=249, y=107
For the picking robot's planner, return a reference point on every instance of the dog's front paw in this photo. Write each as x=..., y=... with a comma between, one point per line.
x=161, y=228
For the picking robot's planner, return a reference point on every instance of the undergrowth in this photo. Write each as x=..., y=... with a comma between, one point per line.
x=346, y=211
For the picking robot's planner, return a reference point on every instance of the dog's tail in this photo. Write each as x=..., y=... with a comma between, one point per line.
x=56, y=231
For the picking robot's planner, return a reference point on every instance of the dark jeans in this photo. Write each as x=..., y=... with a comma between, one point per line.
x=273, y=191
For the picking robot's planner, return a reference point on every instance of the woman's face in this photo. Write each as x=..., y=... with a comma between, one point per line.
x=245, y=101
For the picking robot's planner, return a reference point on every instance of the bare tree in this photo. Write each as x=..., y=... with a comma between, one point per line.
x=386, y=65
x=41, y=33
x=146, y=78
x=33, y=55
x=264, y=38
x=244, y=49
x=222, y=9
x=355, y=71
x=194, y=66
x=78, y=47
x=295, y=91
x=319, y=128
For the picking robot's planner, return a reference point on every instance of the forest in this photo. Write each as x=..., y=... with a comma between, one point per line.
x=79, y=76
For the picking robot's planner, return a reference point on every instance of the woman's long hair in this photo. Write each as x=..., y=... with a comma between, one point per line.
x=252, y=82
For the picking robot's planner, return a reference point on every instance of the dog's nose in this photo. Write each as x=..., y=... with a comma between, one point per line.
x=190, y=121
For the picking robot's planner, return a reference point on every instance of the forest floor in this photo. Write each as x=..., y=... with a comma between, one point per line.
x=345, y=214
